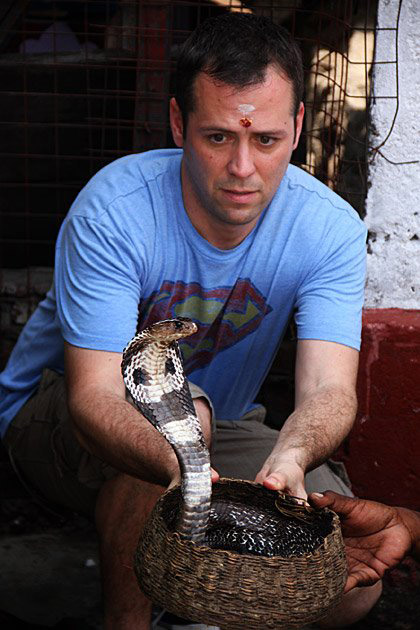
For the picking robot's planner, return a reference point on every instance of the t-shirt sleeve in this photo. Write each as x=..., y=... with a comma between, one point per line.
x=330, y=299
x=97, y=285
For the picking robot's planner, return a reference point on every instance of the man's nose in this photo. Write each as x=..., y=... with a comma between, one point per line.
x=241, y=163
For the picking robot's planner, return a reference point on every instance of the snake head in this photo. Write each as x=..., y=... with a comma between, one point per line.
x=153, y=354
x=165, y=333
x=169, y=330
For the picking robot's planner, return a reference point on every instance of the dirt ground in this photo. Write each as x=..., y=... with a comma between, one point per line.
x=49, y=564
x=50, y=575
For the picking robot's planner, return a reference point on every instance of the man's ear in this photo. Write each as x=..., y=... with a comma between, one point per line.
x=298, y=124
x=177, y=126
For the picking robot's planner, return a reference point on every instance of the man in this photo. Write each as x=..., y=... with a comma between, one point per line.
x=377, y=536
x=224, y=231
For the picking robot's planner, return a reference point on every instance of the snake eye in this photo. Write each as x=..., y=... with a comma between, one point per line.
x=169, y=367
x=139, y=376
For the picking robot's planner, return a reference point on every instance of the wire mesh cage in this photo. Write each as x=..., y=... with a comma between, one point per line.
x=85, y=82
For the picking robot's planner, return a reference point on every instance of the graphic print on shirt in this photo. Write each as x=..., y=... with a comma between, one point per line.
x=225, y=315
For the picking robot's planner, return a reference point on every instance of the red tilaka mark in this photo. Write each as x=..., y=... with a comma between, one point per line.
x=246, y=122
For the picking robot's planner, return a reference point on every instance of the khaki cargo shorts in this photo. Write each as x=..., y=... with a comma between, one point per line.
x=57, y=470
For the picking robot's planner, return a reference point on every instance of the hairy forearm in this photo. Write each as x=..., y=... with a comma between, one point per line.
x=317, y=427
x=114, y=431
x=411, y=520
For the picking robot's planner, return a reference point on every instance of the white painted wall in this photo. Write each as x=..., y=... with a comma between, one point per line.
x=393, y=201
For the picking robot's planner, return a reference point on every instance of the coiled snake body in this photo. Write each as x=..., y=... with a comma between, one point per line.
x=153, y=374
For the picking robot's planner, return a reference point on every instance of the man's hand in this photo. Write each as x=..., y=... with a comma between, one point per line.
x=285, y=475
x=324, y=412
x=375, y=536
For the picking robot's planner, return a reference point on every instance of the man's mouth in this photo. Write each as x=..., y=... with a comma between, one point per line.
x=239, y=196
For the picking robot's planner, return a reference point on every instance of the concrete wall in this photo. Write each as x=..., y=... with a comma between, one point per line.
x=393, y=202
x=382, y=452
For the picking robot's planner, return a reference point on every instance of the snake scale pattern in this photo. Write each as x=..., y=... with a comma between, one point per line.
x=153, y=373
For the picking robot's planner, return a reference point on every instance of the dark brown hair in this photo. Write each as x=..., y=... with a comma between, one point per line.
x=236, y=48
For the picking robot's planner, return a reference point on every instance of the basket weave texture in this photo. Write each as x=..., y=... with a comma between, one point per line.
x=232, y=590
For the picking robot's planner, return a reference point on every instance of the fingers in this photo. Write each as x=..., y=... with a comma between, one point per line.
x=358, y=579
x=174, y=482
x=350, y=584
x=341, y=504
x=278, y=482
x=285, y=476
x=275, y=482
x=214, y=475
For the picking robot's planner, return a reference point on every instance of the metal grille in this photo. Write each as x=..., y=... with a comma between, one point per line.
x=85, y=82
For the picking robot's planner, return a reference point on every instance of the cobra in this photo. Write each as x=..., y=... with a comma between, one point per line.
x=153, y=373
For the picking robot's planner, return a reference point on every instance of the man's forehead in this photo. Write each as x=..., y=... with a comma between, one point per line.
x=263, y=106
x=270, y=73
x=275, y=85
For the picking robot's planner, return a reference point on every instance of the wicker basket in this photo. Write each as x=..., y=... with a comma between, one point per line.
x=231, y=590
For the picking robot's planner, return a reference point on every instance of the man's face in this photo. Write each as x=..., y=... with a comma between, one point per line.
x=230, y=171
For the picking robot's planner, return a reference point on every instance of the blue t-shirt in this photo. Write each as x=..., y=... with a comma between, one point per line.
x=127, y=255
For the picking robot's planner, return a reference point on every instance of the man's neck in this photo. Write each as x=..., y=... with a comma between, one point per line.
x=223, y=236
x=217, y=232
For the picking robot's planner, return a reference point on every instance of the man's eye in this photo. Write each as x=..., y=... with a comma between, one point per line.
x=217, y=138
x=267, y=140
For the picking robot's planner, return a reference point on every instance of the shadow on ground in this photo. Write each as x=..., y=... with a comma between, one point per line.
x=49, y=573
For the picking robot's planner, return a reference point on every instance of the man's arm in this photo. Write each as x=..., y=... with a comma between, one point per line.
x=111, y=428
x=376, y=536
x=324, y=414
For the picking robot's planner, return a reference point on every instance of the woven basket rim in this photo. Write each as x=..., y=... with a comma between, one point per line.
x=174, y=535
